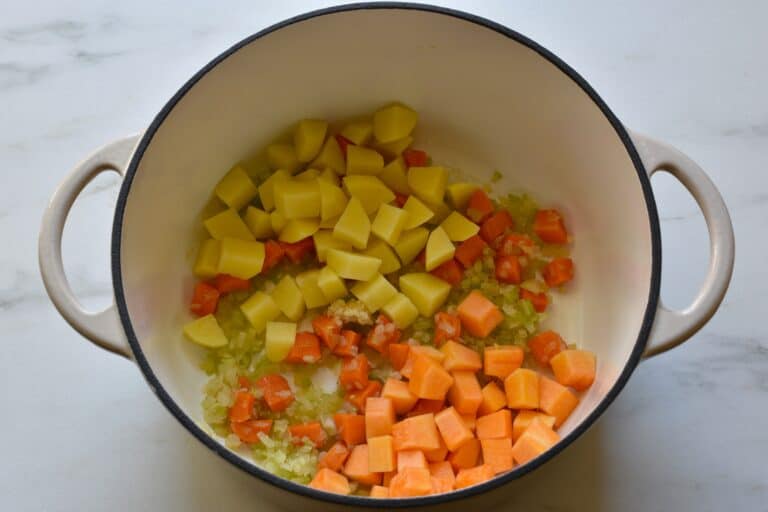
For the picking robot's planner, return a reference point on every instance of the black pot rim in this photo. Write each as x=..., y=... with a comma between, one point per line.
x=358, y=501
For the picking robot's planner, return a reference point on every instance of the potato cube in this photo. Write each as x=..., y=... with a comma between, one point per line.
x=297, y=199
x=439, y=249
x=236, y=188
x=428, y=183
x=401, y=311
x=418, y=213
x=362, y=160
x=352, y=266
x=227, y=224
x=332, y=286
x=241, y=258
x=313, y=295
x=426, y=291
x=325, y=240
x=329, y=223
x=395, y=148
x=459, y=194
x=205, y=331
x=370, y=190
x=267, y=188
x=288, y=298
x=333, y=200
x=299, y=229
x=389, y=222
x=381, y=250
x=282, y=156
x=259, y=222
x=395, y=177
x=278, y=221
x=458, y=227
x=308, y=175
x=411, y=243
x=375, y=292
x=207, y=262
x=359, y=133
x=393, y=122
x=441, y=212
x=353, y=226
x=330, y=176
x=330, y=156
x=259, y=309
x=279, y=340
x=308, y=138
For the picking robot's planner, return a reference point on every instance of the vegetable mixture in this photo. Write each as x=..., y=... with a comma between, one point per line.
x=372, y=325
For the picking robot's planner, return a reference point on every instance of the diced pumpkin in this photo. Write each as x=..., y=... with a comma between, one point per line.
x=473, y=476
x=236, y=188
x=312, y=432
x=356, y=466
x=330, y=156
x=334, y=458
x=411, y=459
x=495, y=425
x=535, y=440
x=332, y=286
x=428, y=183
x=411, y=243
x=277, y=393
x=394, y=176
x=267, y=188
x=402, y=398
x=574, y=368
x=460, y=358
x=228, y=224
x=470, y=420
x=558, y=272
x=359, y=132
x=381, y=453
x=497, y=453
x=325, y=240
x=410, y=483
x=426, y=350
x=545, y=345
x=523, y=420
x=393, y=122
x=352, y=266
x=350, y=427
x=500, y=361
x=398, y=355
x=426, y=291
x=439, y=249
x=458, y=227
x=378, y=248
x=479, y=315
x=459, y=193
x=279, y=339
x=447, y=327
x=288, y=298
x=308, y=138
x=522, y=389
x=333, y=200
x=426, y=406
x=556, y=400
x=207, y=261
x=389, y=222
x=418, y=213
x=354, y=372
x=494, y=399
x=379, y=417
x=259, y=309
x=259, y=222
x=310, y=289
x=241, y=258
x=429, y=379
x=443, y=471
x=370, y=190
x=206, y=332
x=282, y=156
x=470, y=250
x=465, y=394
x=452, y=428
x=379, y=491
x=330, y=481
x=395, y=148
x=362, y=160
x=479, y=206
x=438, y=454
x=296, y=230
x=548, y=225
x=416, y=433
x=466, y=455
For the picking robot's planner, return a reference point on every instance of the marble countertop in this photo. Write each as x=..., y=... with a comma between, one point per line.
x=82, y=431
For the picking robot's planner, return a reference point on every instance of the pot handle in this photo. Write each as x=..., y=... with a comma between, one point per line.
x=102, y=328
x=671, y=327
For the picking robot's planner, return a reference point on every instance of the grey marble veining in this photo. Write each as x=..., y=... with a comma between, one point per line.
x=82, y=431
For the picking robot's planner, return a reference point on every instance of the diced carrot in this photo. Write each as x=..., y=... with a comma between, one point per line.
x=402, y=398
x=379, y=491
x=447, y=327
x=379, y=417
x=558, y=272
x=424, y=406
x=522, y=389
x=354, y=372
x=473, y=476
x=328, y=329
x=348, y=345
x=277, y=392
x=297, y=251
x=459, y=357
x=400, y=199
x=312, y=431
x=411, y=459
x=524, y=418
x=450, y=272
x=343, y=142
x=306, y=349
x=443, y=473
x=493, y=399
x=205, y=299
x=495, y=425
x=465, y=394
x=497, y=453
x=351, y=428
x=356, y=466
x=479, y=206
x=429, y=379
x=416, y=433
x=334, y=458
x=381, y=454
x=248, y=431
x=226, y=283
x=515, y=244
x=330, y=481
x=243, y=382
x=534, y=441
x=545, y=345
x=415, y=158
x=382, y=334
x=410, y=482
x=437, y=454
x=508, y=269
x=556, y=400
x=500, y=361
x=431, y=352
x=495, y=225
x=548, y=225
x=452, y=428
x=398, y=354
x=273, y=254
x=479, y=315
x=574, y=368
x=242, y=408
x=539, y=301
x=470, y=250
x=358, y=398
x=466, y=456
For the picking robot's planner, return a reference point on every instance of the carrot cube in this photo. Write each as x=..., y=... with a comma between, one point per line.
x=536, y=439
x=501, y=361
x=470, y=250
x=379, y=491
x=381, y=454
x=438, y=454
x=495, y=425
x=429, y=379
x=495, y=225
x=398, y=353
x=306, y=349
x=473, y=476
x=242, y=408
x=508, y=269
x=411, y=482
x=348, y=345
x=558, y=272
x=330, y=481
x=379, y=416
x=312, y=431
x=539, y=301
x=416, y=433
x=522, y=388
x=524, y=418
x=466, y=456
x=460, y=357
x=479, y=315
x=452, y=428
x=402, y=398
x=334, y=458
x=411, y=459
x=328, y=329
x=430, y=352
x=277, y=392
x=556, y=400
x=545, y=345
x=479, y=206
x=354, y=372
x=358, y=398
x=574, y=368
x=548, y=225
x=351, y=428
x=447, y=327
x=497, y=453
x=465, y=394
x=493, y=399
x=356, y=467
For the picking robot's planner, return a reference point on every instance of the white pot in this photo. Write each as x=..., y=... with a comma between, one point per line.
x=488, y=98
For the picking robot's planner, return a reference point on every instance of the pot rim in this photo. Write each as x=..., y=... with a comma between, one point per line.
x=359, y=501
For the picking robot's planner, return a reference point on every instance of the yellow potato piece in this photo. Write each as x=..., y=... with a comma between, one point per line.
x=380, y=249
x=359, y=132
x=330, y=156
x=313, y=295
x=395, y=148
x=329, y=223
x=459, y=194
x=389, y=222
x=259, y=222
x=241, y=258
x=353, y=226
x=330, y=176
x=299, y=229
x=362, y=160
x=308, y=138
x=370, y=190
x=308, y=175
x=439, y=249
x=418, y=213
x=458, y=227
x=401, y=311
x=394, y=175
x=227, y=224
x=393, y=122
x=259, y=309
x=279, y=340
x=442, y=211
x=282, y=156
x=410, y=244
x=331, y=284
x=236, y=188
x=352, y=266
x=267, y=189
x=428, y=183
x=333, y=200
x=325, y=240
x=375, y=292
x=207, y=261
x=288, y=298
x=426, y=291
x=278, y=221
x=205, y=331
x=297, y=199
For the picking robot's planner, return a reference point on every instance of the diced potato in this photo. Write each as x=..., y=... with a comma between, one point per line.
x=308, y=175
x=313, y=295
x=259, y=309
x=278, y=221
x=330, y=176
x=458, y=227
x=418, y=213
x=353, y=226
x=259, y=222
x=370, y=190
x=329, y=223
x=236, y=188
x=308, y=138
x=439, y=249
x=426, y=291
x=227, y=224
x=441, y=210
x=394, y=176
x=288, y=298
x=279, y=340
x=393, y=122
x=389, y=222
x=401, y=311
x=205, y=331
x=359, y=132
x=459, y=193
x=207, y=262
x=375, y=292
x=381, y=250
x=297, y=199
x=362, y=160
x=267, y=189
x=325, y=240
x=331, y=284
x=282, y=156
x=299, y=229
x=411, y=243
x=428, y=183
x=352, y=266
x=333, y=200
x=395, y=148
x=241, y=258
x=330, y=156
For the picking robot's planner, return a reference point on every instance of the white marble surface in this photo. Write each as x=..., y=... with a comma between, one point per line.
x=81, y=430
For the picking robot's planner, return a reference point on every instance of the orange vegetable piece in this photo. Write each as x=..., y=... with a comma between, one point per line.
x=277, y=392
x=515, y=244
x=334, y=458
x=523, y=420
x=450, y=272
x=534, y=441
x=441, y=485
x=382, y=334
x=556, y=400
x=410, y=482
x=545, y=345
x=424, y=406
x=497, y=453
x=539, y=301
x=356, y=466
x=413, y=351
x=479, y=315
x=470, y=250
x=386, y=477
x=329, y=480
x=508, y=269
x=343, y=142
x=351, y=428
x=298, y=250
x=479, y=206
x=398, y=354
x=415, y=158
x=416, y=433
x=473, y=476
x=379, y=491
x=273, y=254
x=495, y=425
x=438, y=454
x=226, y=283
x=465, y=394
x=328, y=329
x=495, y=225
x=429, y=379
x=402, y=398
x=243, y=382
x=447, y=327
x=381, y=454
x=522, y=389
x=354, y=372
x=205, y=299
x=452, y=428
x=470, y=420
x=305, y=350
x=493, y=399
x=312, y=431
x=466, y=456
x=502, y=361
x=460, y=357
x=574, y=368
x=248, y=431
x=548, y=225
x=411, y=459
x=242, y=408
x=379, y=416
x=348, y=345
x=558, y=272
x=442, y=469
x=358, y=398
